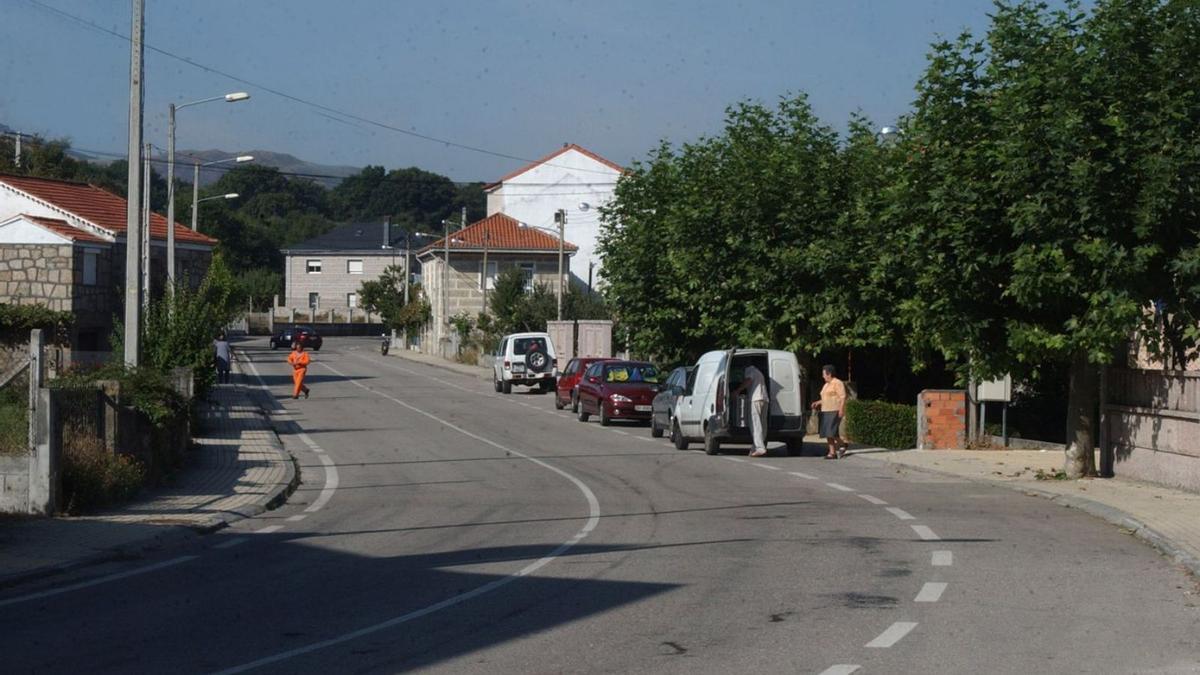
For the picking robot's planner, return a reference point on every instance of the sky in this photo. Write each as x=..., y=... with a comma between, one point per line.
x=512, y=80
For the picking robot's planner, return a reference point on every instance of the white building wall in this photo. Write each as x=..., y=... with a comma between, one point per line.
x=564, y=182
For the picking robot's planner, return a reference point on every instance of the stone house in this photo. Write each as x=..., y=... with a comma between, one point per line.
x=506, y=243
x=62, y=245
x=327, y=271
x=572, y=179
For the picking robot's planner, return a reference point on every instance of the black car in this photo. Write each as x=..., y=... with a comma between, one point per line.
x=679, y=383
x=306, y=335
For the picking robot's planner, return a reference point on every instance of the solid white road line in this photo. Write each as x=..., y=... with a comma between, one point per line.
x=943, y=558
x=232, y=542
x=892, y=635
x=268, y=529
x=837, y=486
x=799, y=474
x=96, y=582
x=900, y=513
x=874, y=500
x=592, y=521
x=331, y=484
x=925, y=533
x=840, y=669
x=931, y=592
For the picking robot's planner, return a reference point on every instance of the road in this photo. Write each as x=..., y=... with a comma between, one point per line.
x=442, y=526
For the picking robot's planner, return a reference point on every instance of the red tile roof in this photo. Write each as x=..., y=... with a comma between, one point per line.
x=501, y=233
x=565, y=148
x=97, y=206
x=65, y=229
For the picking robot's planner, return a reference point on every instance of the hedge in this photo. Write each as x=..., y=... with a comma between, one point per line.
x=881, y=424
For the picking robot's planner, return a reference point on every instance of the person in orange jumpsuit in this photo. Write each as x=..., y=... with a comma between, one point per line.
x=299, y=361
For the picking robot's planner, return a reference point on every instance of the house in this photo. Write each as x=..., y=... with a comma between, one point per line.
x=571, y=178
x=462, y=287
x=326, y=272
x=62, y=244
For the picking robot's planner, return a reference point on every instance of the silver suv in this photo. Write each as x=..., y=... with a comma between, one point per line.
x=527, y=359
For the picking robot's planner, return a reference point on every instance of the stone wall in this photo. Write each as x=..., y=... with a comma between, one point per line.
x=1152, y=426
x=37, y=274
x=942, y=419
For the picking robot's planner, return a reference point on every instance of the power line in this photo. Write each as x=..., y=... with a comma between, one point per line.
x=297, y=99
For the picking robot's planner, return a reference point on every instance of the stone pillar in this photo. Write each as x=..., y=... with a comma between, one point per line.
x=45, y=456
x=110, y=416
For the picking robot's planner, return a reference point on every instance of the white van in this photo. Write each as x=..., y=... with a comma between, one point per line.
x=527, y=359
x=706, y=414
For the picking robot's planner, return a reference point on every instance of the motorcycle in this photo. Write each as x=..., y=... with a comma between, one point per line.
x=385, y=344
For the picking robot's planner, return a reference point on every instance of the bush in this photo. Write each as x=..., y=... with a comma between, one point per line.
x=881, y=424
x=92, y=477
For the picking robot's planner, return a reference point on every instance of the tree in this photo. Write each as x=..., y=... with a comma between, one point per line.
x=506, y=298
x=385, y=296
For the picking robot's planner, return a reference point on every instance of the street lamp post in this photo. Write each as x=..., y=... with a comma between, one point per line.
x=240, y=159
x=229, y=98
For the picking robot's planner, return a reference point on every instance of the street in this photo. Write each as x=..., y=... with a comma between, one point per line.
x=442, y=526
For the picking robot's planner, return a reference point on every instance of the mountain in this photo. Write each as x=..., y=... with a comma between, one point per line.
x=328, y=175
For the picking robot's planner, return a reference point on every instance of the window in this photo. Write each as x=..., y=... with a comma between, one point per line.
x=572, y=366
x=314, y=300
x=352, y=300
x=487, y=280
x=529, y=344
x=314, y=267
x=354, y=267
x=528, y=269
x=89, y=268
x=631, y=372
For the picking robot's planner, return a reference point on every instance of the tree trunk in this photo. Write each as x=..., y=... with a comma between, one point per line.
x=1081, y=417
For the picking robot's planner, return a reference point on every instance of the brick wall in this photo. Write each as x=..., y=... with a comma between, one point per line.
x=941, y=419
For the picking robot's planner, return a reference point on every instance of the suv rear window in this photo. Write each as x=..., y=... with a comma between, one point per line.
x=529, y=344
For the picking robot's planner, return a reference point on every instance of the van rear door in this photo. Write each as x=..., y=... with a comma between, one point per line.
x=787, y=405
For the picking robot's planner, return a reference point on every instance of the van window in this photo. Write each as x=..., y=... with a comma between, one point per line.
x=781, y=369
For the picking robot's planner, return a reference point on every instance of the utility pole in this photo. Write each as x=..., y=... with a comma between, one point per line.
x=195, y=191
x=145, y=243
x=171, y=200
x=444, y=324
x=560, y=217
x=133, y=233
x=17, y=151
x=487, y=236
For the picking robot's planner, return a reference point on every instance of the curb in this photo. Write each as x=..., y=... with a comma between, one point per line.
x=443, y=366
x=1111, y=514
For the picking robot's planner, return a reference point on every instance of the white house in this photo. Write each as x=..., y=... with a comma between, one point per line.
x=571, y=178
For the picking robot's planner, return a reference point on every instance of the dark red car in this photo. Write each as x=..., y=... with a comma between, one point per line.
x=618, y=390
x=564, y=393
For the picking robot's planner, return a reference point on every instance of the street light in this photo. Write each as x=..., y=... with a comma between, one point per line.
x=240, y=159
x=228, y=98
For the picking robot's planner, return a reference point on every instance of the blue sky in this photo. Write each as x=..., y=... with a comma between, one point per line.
x=515, y=77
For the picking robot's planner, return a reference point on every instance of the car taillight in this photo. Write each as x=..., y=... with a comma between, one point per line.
x=721, y=397
x=507, y=364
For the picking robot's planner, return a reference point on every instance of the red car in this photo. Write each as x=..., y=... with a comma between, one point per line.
x=618, y=389
x=564, y=393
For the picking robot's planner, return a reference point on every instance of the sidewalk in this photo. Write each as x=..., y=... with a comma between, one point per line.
x=1165, y=518
x=438, y=362
x=237, y=469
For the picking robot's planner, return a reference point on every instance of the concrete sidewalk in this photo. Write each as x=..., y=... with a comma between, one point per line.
x=438, y=362
x=237, y=469
x=1167, y=519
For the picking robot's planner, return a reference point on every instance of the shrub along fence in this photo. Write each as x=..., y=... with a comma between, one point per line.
x=881, y=424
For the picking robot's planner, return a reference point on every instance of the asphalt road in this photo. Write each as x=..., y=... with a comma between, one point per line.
x=441, y=526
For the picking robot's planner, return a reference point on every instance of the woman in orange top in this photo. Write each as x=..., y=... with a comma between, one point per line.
x=833, y=408
x=299, y=361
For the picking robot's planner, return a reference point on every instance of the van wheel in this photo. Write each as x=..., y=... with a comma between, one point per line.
x=795, y=446
x=677, y=438
x=604, y=420
x=655, y=430
x=711, y=445
x=506, y=387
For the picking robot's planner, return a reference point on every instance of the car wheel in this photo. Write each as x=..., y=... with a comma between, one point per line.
x=583, y=416
x=604, y=420
x=655, y=430
x=558, y=404
x=677, y=438
x=496, y=385
x=274, y=345
x=506, y=387
x=574, y=403
x=711, y=445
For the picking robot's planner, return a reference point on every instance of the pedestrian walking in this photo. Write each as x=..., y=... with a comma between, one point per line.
x=223, y=355
x=832, y=407
x=754, y=381
x=299, y=361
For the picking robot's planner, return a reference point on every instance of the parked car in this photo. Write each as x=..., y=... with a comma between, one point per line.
x=526, y=359
x=706, y=413
x=617, y=390
x=568, y=382
x=662, y=408
x=307, y=335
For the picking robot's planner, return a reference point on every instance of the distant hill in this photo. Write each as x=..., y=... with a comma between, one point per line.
x=328, y=175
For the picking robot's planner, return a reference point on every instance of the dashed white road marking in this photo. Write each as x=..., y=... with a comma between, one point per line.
x=648, y=440
x=874, y=500
x=331, y=484
x=232, y=542
x=297, y=517
x=618, y=431
x=268, y=529
x=96, y=582
x=838, y=486
x=892, y=635
x=931, y=592
x=943, y=558
x=734, y=459
x=840, y=669
x=768, y=467
x=899, y=513
x=925, y=533
x=800, y=474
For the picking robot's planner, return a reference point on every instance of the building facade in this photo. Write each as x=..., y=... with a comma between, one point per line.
x=572, y=179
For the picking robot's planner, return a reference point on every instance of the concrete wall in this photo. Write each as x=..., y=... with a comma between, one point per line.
x=334, y=282
x=1152, y=426
x=941, y=419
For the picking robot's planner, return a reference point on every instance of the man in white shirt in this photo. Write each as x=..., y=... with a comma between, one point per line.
x=754, y=380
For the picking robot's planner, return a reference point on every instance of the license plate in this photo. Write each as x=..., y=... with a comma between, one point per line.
x=518, y=367
x=642, y=408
